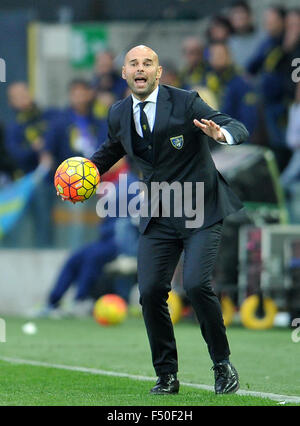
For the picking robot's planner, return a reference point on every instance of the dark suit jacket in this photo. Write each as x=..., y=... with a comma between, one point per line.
x=192, y=162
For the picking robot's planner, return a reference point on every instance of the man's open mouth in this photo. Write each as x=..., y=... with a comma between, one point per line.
x=140, y=81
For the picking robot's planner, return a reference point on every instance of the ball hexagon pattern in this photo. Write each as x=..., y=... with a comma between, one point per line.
x=76, y=179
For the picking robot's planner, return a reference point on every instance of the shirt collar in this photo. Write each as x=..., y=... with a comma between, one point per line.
x=151, y=98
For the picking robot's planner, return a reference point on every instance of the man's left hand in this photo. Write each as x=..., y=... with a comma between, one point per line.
x=211, y=129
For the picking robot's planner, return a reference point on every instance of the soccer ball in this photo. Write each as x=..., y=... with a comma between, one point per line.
x=110, y=309
x=76, y=179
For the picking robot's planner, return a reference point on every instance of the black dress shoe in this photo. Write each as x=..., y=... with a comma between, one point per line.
x=226, y=378
x=166, y=384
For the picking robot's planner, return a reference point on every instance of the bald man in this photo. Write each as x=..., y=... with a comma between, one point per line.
x=165, y=131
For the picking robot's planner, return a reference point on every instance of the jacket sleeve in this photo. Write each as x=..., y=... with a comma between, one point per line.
x=198, y=109
x=111, y=151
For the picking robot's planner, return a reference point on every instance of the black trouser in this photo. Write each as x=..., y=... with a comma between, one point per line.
x=159, y=251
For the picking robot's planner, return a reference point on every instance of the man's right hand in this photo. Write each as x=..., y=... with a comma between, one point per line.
x=64, y=199
x=59, y=195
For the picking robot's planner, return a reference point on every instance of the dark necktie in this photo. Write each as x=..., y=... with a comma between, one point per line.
x=144, y=121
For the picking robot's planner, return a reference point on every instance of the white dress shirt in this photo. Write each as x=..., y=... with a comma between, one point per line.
x=150, y=111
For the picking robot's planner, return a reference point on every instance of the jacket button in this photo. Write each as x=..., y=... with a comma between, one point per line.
x=149, y=147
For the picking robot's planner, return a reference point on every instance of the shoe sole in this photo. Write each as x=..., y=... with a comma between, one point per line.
x=174, y=392
x=234, y=388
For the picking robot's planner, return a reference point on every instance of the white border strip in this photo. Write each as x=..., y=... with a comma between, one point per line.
x=272, y=396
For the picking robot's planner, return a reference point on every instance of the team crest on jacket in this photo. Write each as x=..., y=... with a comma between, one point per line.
x=177, y=141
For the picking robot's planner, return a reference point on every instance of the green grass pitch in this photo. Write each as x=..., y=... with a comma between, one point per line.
x=267, y=361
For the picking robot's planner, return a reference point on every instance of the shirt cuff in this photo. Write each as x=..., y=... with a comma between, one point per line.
x=228, y=137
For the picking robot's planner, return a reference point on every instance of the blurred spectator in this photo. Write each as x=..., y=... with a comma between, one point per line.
x=274, y=21
x=170, y=75
x=194, y=68
x=234, y=93
x=106, y=77
x=77, y=131
x=7, y=167
x=25, y=141
x=269, y=64
x=219, y=30
x=268, y=52
x=208, y=96
x=245, y=38
x=25, y=135
x=291, y=42
x=102, y=103
x=291, y=49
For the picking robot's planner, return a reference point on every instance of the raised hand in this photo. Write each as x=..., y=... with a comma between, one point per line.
x=211, y=129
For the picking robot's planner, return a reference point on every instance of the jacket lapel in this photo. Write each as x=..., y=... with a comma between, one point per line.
x=163, y=111
x=126, y=124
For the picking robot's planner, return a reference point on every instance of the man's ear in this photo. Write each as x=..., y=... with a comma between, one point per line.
x=159, y=72
x=123, y=73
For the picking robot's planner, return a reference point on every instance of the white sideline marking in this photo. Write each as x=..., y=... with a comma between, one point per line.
x=272, y=396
